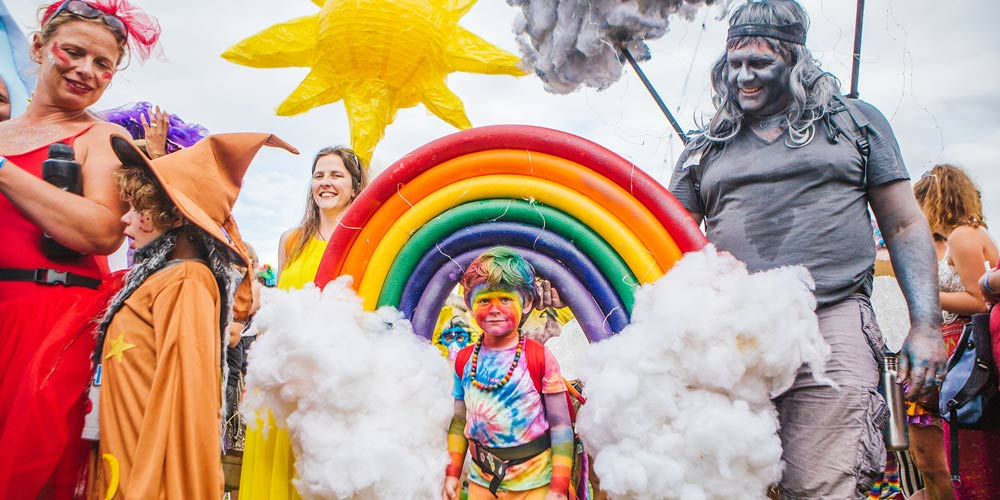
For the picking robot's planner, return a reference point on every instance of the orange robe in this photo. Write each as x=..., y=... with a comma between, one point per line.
x=161, y=391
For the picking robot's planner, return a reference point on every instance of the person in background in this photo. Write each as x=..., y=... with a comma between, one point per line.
x=4, y=101
x=989, y=285
x=548, y=319
x=47, y=298
x=156, y=132
x=240, y=338
x=338, y=177
x=924, y=426
x=953, y=206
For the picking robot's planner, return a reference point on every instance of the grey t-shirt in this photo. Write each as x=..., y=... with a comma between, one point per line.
x=771, y=205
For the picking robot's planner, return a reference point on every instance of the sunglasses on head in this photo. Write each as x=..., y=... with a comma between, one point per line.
x=87, y=11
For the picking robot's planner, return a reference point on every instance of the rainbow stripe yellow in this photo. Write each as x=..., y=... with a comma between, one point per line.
x=590, y=221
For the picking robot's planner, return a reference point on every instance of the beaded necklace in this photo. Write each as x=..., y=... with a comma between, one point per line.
x=475, y=361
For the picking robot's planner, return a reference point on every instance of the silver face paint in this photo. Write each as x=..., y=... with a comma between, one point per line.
x=758, y=77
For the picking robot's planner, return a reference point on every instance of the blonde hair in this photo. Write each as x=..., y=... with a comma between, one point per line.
x=49, y=29
x=949, y=198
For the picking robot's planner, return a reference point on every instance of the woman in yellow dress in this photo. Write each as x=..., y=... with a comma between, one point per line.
x=337, y=178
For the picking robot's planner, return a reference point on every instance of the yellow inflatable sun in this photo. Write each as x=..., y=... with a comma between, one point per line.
x=378, y=56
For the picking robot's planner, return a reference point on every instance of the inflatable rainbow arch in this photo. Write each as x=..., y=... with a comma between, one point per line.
x=587, y=219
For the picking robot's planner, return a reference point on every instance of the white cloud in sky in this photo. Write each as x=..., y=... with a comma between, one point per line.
x=930, y=66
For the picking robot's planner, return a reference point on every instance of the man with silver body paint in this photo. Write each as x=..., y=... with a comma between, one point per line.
x=783, y=174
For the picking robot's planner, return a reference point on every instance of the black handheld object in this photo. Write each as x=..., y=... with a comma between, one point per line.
x=62, y=171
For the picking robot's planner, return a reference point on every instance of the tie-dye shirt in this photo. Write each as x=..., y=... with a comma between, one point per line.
x=510, y=416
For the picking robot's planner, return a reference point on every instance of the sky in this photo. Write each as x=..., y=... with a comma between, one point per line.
x=929, y=66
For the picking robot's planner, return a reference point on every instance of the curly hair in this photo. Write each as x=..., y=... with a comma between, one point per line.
x=138, y=187
x=812, y=89
x=949, y=198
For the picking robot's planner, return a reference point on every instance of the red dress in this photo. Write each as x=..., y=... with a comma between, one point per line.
x=46, y=340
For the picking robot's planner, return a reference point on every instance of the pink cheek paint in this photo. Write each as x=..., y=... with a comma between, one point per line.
x=510, y=312
x=60, y=55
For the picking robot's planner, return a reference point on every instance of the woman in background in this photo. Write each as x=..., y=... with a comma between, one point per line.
x=953, y=206
x=337, y=179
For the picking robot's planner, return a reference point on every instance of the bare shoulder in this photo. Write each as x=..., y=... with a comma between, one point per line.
x=287, y=234
x=94, y=146
x=21, y=135
x=100, y=134
x=969, y=237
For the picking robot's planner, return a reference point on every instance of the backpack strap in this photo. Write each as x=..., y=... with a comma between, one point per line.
x=977, y=337
x=535, y=356
x=462, y=359
x=861, y=128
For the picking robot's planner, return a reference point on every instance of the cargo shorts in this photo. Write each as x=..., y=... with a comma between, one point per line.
x=832, y=444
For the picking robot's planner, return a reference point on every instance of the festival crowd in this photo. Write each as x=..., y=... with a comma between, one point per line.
x=127, y=384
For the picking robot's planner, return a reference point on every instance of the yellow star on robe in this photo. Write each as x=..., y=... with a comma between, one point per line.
x=118, y=348
x=378, y=56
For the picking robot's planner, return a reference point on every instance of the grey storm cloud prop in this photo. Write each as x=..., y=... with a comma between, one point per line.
x=570, y=43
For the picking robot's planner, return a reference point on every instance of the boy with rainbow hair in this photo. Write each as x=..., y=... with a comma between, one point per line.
x=510, y=406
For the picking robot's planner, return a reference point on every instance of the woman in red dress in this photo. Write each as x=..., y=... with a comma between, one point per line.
x=47, y=300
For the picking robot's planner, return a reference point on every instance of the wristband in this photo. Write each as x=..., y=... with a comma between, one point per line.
x=3, y=161
x=985, y=282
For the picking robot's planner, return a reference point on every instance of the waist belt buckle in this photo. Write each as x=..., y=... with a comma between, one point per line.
x=50, y=276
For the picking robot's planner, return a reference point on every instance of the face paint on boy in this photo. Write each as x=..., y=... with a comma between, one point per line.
x=498, y=313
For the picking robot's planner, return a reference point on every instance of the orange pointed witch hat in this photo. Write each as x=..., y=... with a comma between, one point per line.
x=204, y=181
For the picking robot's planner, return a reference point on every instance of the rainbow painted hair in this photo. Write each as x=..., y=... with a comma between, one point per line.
x=499, y=268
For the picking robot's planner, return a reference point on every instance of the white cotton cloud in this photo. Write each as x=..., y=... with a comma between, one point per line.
x=679, y=404
x=890, y=311
x=570, y=43
x=366, y=402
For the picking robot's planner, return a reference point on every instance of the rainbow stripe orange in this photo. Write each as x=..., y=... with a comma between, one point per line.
x=596, y=223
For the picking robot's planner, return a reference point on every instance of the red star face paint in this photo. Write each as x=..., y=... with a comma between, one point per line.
x=59, y=55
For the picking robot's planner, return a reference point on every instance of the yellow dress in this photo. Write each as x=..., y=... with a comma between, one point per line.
x=268, y=463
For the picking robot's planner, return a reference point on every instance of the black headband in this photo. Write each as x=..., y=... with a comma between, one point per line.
x=792, y=33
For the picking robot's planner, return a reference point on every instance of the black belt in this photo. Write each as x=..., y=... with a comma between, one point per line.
x=495, y=461
x=44, y=276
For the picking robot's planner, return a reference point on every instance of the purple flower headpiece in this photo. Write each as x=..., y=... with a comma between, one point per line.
x=179, y=133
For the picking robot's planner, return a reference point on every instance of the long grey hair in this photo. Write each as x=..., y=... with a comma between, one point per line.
x=812, y=88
